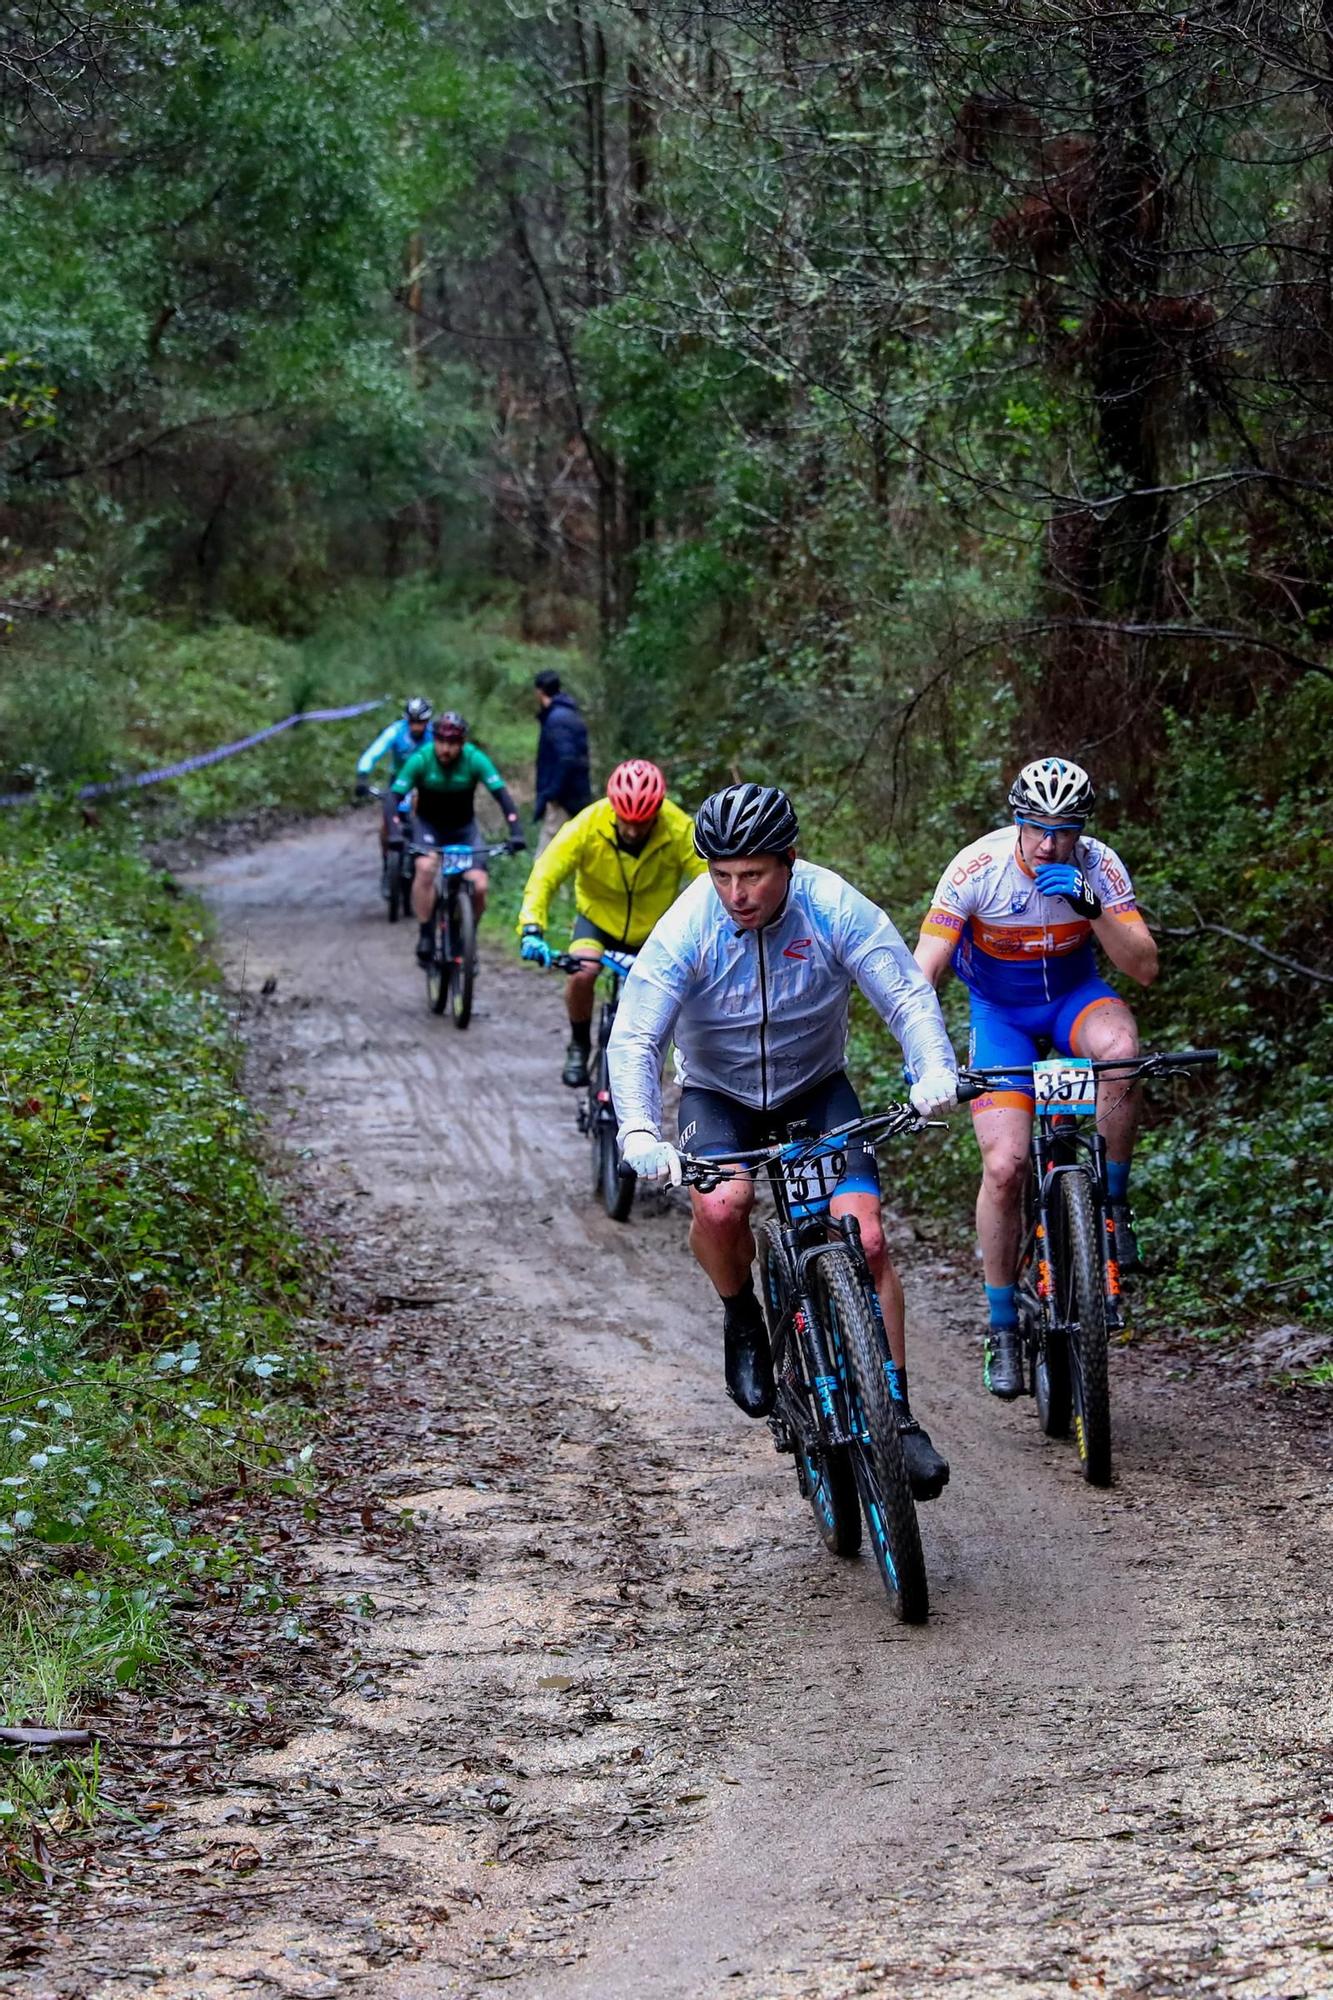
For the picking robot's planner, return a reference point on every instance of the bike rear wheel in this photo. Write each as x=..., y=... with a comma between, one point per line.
x=881, y=1474
x=462, y=940
x=1084, y=1308
x=610, y=1180
x=824, y=1472
x=396, y=888
x=615, y=1185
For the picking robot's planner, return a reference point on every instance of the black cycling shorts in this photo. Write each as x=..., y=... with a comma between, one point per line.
x=710, y=1123
x=425, y=833
x=585, y=931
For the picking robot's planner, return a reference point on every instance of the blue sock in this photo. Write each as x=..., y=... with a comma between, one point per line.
x=1001, y=1301
x=1117, y=1179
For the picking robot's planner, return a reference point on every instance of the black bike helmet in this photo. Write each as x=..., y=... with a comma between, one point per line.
x=1053, y=788
x=451, y=723
x=418, y=709
x=745, y=819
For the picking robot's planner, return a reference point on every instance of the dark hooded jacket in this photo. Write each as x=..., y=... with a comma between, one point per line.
x=562, y=758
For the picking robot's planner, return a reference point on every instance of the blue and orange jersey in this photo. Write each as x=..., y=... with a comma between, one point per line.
x=1012, y=945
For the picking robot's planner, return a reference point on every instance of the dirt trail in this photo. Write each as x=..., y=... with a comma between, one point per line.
x=621, y=1727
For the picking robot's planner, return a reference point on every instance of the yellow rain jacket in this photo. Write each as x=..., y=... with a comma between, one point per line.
x=623, y=894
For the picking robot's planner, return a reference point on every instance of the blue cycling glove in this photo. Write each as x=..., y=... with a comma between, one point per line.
x=1061, y=878
x=533, y=948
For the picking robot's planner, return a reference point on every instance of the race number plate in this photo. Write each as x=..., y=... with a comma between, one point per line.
x=814, y=1179
x=1065, y=1084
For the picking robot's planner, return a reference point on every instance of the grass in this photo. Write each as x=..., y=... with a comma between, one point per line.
x=150, y=1285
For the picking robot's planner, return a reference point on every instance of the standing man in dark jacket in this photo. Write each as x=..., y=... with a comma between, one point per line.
x=563, y=788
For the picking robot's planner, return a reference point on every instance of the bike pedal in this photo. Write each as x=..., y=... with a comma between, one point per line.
x=782, y=1437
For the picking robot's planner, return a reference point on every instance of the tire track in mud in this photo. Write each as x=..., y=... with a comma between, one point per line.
x=618, y=1725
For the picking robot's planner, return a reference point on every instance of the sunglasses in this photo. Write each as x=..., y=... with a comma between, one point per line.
x=1043, y=827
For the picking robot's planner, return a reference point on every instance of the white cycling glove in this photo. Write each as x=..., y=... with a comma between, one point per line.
x=651, y=1158
x=936, y=1092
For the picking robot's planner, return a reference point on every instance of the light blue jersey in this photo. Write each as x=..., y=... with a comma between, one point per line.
x=397, y=742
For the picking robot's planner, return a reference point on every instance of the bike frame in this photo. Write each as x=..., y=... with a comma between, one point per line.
x=1058, y=1148
x=596, y=1109
x=802, y=1175
x=1060, y=1145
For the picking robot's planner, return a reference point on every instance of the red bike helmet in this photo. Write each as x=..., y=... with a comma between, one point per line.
x=636, y=791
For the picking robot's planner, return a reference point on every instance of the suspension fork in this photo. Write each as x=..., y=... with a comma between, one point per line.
x=825, y=1381
x=1043, y=1162
x=1107, y=1245
x=850, y=1229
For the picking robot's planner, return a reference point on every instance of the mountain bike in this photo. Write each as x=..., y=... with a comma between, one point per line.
x=452, y=972
x=396, y=878
x=835, y=1409
x=612, y=1180
x=396, y=865
x=1069, y=1292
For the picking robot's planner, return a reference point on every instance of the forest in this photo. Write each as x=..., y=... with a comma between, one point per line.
x=866, y=397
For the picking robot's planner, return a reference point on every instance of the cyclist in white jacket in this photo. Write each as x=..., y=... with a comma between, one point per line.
x=751, y=972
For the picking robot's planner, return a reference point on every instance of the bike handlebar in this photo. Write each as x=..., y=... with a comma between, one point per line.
x=708, y=1171
x=490, y=849
x=568, y=961
x=1158, y=1062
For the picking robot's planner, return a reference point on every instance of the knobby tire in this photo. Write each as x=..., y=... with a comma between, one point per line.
x=616, y=1188
x=1048, y=1347
x=886, y=1494
x=437, y=972
x=397, y=887
x=462, y=940
x=824, y=1472
x=1084, y=1300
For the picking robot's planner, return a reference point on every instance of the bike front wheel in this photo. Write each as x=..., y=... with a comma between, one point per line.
x=1046, y=1348
x=824, y=1472
x=462, y=941
x=1084, y=1310
x=877, y=1456
x=437, y=972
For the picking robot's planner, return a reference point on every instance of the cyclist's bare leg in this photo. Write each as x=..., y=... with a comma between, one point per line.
x=866, y=1209
x=721, y=1237
x=479, y=879
x=424, y=878
x=1004, y=1133
x=581, y=990
x=1109, y=1034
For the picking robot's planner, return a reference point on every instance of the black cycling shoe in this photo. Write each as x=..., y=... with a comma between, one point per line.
x=749, y=1364
x=425, y=947
x=1003, y=1369
x=926, y=1470
x=575, y=1071
x=1126, y=1242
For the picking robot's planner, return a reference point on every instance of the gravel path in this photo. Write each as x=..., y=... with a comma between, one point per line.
x=617, y=1725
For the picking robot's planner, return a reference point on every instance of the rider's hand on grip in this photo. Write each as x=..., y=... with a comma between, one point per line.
x=650, y=1157
x=533, y=948
x=362, y=788
x=935, y=1093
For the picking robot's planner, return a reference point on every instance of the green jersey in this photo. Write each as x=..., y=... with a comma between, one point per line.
x=445, y=791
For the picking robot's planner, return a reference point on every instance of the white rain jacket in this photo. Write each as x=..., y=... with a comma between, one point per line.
x=761, y=1015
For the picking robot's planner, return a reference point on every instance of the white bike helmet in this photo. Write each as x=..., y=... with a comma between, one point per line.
x=1052, y=788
